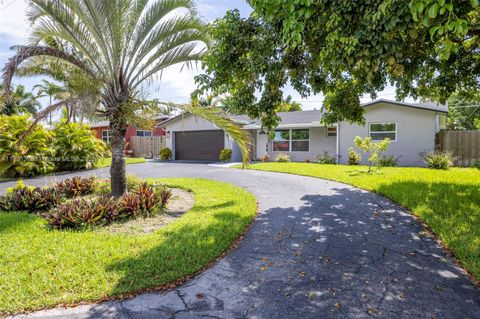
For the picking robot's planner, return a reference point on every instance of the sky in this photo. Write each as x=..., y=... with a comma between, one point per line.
x=175, y=84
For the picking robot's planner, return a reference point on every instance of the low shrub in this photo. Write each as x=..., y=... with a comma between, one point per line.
x=225, y=155
x=354, y=158
x=325, y=158
x=165, y=154
x=78, y=213
x=283, y=158
x=265, y=158
x=438, y=160
x=165, y=194
x=476, y=164
x=30, y=199
x=149, y=200
x=387, y=161
x=77, y=186
x=33, y=156
x=76, y=147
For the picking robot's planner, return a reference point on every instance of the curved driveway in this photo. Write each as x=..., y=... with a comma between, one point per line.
x=318, y=249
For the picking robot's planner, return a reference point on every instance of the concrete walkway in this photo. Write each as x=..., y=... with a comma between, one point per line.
x=318, y=249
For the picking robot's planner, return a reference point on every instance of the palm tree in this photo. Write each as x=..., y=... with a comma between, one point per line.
x=122, y=44
x=50, y=89
x=21, y=102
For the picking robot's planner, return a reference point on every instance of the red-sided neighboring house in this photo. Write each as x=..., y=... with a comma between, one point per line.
x=102, y=131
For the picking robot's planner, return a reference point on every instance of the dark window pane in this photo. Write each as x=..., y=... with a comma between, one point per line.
x=300, y=134
x=148, y=133
x=382, y=127
x=281, y=136
x=140, y=133
x=300, y=146
x=382, y=136
x=281, y=146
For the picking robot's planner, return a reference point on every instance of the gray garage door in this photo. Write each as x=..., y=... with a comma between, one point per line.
x=199, y=145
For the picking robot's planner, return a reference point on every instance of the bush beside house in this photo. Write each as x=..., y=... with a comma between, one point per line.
x=42, y=151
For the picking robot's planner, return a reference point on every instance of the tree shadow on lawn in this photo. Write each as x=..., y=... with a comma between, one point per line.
x=348, y=253
x=183, y=250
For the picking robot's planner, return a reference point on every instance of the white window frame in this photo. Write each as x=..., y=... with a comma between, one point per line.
x=329, y=133
x=107, y=138
x=290, y=139
x=144, y=131
x=383, y=123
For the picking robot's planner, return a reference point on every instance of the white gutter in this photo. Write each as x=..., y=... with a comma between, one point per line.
x=302, y=125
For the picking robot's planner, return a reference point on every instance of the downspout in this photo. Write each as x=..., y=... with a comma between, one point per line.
x=338, y=143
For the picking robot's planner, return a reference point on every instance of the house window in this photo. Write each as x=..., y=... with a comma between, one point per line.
x=332, y=131
x=281, y=141
x=380, y=131
x=106, y=135
x=291, y=140
x=144, y=133
x=300, y=140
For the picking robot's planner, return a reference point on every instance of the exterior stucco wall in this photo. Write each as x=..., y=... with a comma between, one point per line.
x=319, y=143
x=415, y=132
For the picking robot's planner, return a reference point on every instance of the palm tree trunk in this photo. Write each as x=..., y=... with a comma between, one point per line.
x=117, y=170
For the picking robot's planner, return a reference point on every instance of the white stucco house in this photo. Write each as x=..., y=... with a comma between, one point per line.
x=410, y=126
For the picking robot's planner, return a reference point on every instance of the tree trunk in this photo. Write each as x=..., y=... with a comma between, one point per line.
x=118, y=177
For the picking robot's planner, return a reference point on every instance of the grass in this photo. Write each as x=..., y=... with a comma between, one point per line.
x=448, y=201
x=106, y=162
x=42, y=268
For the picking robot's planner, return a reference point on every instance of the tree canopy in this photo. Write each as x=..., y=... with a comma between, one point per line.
x=344, y=49
x=21, y=102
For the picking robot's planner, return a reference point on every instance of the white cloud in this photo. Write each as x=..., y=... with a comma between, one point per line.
x=13, y=21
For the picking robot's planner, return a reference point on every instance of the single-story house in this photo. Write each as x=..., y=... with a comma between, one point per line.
x=102, y=130
x=410, y=126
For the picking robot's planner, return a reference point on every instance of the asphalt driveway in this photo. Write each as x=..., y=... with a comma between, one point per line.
x=318, y=249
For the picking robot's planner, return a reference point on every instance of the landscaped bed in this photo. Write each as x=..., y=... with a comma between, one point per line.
x=447, y=200
x=41, y=266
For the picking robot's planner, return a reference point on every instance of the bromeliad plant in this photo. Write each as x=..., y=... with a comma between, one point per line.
x=30, y=199
x=121, y=45
x=77, y=186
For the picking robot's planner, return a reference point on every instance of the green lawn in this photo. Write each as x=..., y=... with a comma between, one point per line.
x=106, y=162
x=43, y=268
x=448, y=201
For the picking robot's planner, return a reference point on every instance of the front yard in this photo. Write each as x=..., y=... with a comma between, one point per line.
x=42, y=267
x=448, y=201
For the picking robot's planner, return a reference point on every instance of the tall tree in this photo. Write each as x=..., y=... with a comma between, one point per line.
x=343, y=49
x=288, y=105
x=49, y=89
x=21, y=102
x=464, y=111
x=123, y=44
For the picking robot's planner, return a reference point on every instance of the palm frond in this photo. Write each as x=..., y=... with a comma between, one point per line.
x=28, y=52
x=220, y=119
x=43, y=114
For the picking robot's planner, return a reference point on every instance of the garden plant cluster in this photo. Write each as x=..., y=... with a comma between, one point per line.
x=85, y=202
